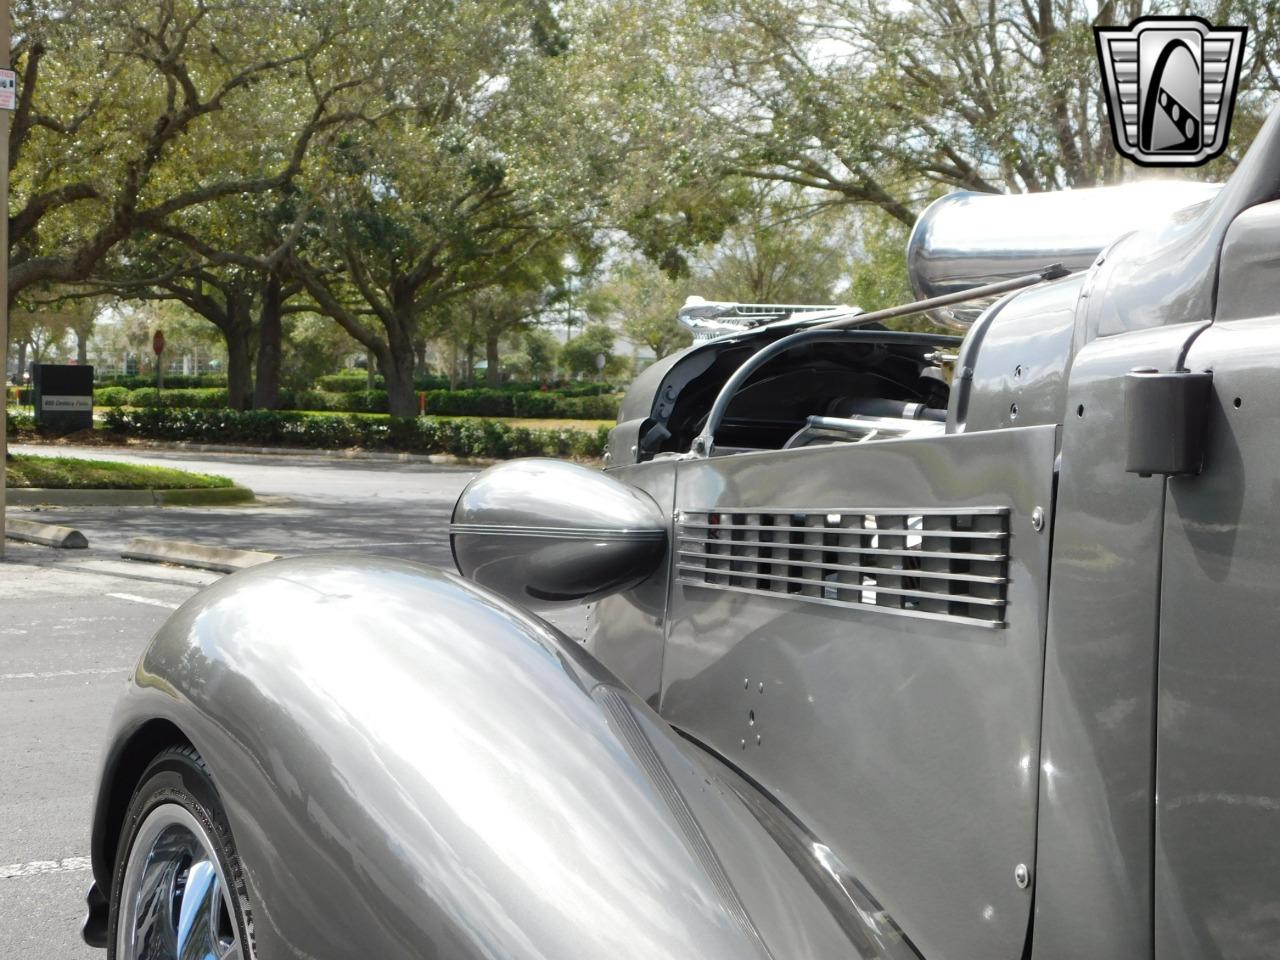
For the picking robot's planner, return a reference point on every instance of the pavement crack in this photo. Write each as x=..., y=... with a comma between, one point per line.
x=35, y=868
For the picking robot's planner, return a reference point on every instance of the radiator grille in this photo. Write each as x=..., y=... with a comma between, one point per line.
x=935, y=564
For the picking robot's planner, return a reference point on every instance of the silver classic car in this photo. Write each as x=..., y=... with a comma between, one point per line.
x=876, y=644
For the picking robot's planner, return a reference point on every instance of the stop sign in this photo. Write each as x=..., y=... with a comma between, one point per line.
x=157, y=342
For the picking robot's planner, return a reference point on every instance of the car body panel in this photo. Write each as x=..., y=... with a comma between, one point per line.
x=1168, y=273
x=1217, y=856
x=628, y=630
x=1096, y=790
x=413, y=767
x=908, y=745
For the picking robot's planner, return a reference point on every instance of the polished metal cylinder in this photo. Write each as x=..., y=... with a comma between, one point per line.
x=965, y=240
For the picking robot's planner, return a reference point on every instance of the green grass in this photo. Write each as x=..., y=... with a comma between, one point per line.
x=71, y=473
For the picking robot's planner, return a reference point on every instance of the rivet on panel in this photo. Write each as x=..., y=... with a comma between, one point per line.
x=1037, y=519
x=762, y=686
x=1021, y=876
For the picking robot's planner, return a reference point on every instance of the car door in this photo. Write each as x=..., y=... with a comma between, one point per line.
x=1217, y=837
x=860, y=629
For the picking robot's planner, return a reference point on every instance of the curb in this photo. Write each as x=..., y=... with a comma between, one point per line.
x=316, y=453
x=198, y=555
x=45, y=534
x=438, y=459
x=196, y=497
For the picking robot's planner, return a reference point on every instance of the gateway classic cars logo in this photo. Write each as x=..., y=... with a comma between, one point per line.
x=1171, y=87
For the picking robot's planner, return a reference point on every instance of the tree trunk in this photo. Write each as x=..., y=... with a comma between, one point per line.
x=492, y=374
x=420, y=357
x=82, y=347
x=22, y=362
x=397, y=370
x=266, y=389
x=239, y=367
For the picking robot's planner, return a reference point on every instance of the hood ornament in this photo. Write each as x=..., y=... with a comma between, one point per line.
x=709, y=319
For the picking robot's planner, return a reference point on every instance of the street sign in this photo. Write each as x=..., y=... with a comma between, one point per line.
x=8, y=90
x=63, y=397
x=157, y=342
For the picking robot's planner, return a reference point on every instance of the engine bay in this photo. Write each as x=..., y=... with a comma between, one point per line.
x=814, y=393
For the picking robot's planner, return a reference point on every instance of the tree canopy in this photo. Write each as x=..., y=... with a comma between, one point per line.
x=400, y=172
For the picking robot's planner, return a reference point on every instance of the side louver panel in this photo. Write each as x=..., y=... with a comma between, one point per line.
x=934, y=564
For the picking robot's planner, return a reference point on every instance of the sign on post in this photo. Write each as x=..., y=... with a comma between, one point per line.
x=63, y=397
x=8, y=90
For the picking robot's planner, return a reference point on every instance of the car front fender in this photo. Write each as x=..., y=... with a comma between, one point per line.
x=413, y=767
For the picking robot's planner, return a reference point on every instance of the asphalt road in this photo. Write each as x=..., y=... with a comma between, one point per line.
x=388, y=508
x=72, y=624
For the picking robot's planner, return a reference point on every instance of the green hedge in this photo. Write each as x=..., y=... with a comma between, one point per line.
x=354, y=382
x=466, y=438
x=362, y=401
x=111, y=396
x=483, y=402
x=358, y=382
x=480, y=402
x=565, y=408
x=177, y=381
x=207, y=398
x=584, y=388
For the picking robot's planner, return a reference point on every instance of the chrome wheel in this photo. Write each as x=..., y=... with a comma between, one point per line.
x=175, y=903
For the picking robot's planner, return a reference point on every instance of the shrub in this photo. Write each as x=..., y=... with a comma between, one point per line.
x=480, y=402
x=525, y=402
x=565, y=408
x=363, y=401
x=111, y=396
x=176, y=381
x=206, y=398
x=16, y=423
x=464, y=437
x=585, y=388
x=350, y=382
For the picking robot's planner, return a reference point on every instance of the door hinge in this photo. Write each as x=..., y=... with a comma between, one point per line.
x=1166, y=415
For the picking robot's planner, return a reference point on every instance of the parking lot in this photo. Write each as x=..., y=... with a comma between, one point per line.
x=73, y=622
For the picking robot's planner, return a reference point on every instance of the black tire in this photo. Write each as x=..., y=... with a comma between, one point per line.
x=178, y=776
